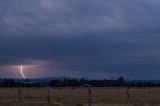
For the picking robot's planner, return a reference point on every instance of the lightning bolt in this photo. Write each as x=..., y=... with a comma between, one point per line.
x=22, y=74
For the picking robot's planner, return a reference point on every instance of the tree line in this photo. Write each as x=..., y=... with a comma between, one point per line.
x=120, y=82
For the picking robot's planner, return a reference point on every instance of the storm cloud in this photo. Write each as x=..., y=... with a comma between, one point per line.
x=85, y=38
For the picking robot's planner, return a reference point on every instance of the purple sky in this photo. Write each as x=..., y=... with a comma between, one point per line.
x=80, y=38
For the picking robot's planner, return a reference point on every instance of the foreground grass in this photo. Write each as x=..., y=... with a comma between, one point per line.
x=56, y=104
x=79, y=97
x=37, y=104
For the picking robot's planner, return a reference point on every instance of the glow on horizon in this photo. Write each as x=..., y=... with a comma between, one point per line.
x=22, y=74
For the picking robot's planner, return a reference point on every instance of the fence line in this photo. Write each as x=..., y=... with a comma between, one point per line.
x=130, y=96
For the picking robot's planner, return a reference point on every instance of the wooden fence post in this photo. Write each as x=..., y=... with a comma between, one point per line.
x=89, y=96
x=48, y=94
x=19, y=94
x=128, y=97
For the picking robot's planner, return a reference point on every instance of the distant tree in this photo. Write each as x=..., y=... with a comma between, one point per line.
x=55, y=83
x=0, y=82
x=37, y=84
x=121, y=79
x=65, y=83
x=82, y=81
x=8, y=83
x=73, y=83
x=18, y=84
x=120, y=82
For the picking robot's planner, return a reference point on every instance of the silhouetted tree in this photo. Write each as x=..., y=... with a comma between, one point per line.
x=120, y=82
x=0, y=82
x=121, y=79
x=55, y=83
x=8, y=83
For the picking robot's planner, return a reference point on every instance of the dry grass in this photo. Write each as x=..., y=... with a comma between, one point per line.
x=78, y=97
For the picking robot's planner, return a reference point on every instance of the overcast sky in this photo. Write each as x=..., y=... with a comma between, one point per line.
x=80, y=38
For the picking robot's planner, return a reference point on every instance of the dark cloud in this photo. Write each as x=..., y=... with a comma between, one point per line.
x=85, y=38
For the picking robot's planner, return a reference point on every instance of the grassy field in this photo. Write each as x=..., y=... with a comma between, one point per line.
x=79, y=97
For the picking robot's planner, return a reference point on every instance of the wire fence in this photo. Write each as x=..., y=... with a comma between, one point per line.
x=79, y=97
